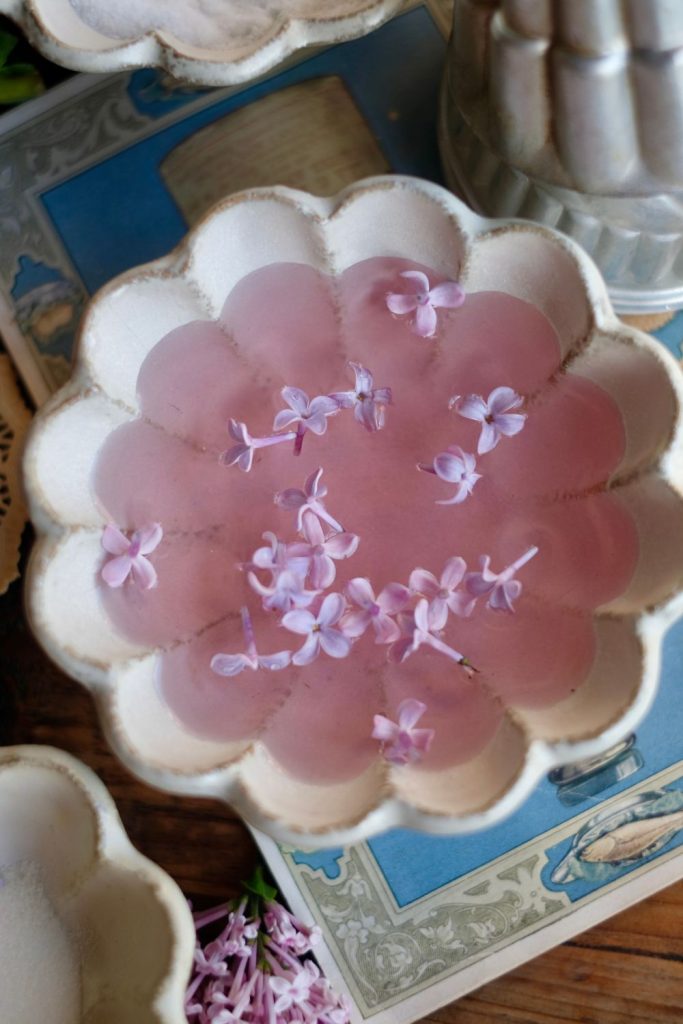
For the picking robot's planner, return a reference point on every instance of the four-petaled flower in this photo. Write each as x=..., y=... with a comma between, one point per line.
x=129, y=555
x=418, y=629
x=455, y=467
x=278, y=557
x=242, y=454
x=321, y=551
x=287, y=591
x=495, y=415
x=308, y=500
x=233, y=664
x=401, y=742
x=502, y=588
x=306, y=413
x=367, y=401
x=443, y=594
x=294, y=991
x=376, y=610
x=425, y=301
x=319, y=630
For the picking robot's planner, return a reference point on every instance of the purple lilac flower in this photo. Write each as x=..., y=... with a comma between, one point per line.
x=242, y=454
x=456, y=467
x=420, y=628
x=402, y=743
x=319, y=630
x=444, y=594
x=322, y=552
x=495, y=414
x=368, y=402
x=424, y=301
x=286, y=592
x=310, y=499
x=233, y=664
x=305, y=413
x=378, y=611
x=252, y=971
x=502, y=589
x=129, y=555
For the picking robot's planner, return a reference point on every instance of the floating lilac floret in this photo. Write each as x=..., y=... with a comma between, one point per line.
x=444, y=595
x=308, y=500
x=424, y=301
x=319, y=630
x=242, y=454
x=286, y=592
x=278, y=557
x=377, y=611
x=495, y=414
x=420, y=628
x=322, y=552
x=401, y=742
x=130, y=555
x=233, y=664
x=367, y=401
x=502, y=589
x=455, y=467
x=306, y=413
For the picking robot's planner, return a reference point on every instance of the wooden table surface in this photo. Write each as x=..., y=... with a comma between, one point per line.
x=628, y=970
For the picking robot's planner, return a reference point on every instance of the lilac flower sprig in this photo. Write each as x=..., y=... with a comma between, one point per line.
x=309, y=499
x=242, y=454
x=368, y=402
x=424, y=301
x=501, y=589
x=233, y=664
x=307, y=413
x=252, y=970
x=421, y=628
x=456, y=467
x=496, y=414
x=130, y=555
x=401, y=742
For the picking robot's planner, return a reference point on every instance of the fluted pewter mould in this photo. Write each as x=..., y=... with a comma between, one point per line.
x=570, y=113
x=129, y=923
x=386, y=216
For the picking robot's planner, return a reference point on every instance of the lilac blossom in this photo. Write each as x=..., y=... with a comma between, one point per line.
x=307, y=414
x=367, y=401
x=129, y=555
x=277, y=557
x=286, y=592
x=495, y=415
x=233, y=664
x=420, y=628
x=319, y=630
x=443, y=594
x=455, y=467
x=377, y=611
x=242, y=454
x=308, y=500
x=424, y=301
x=250, y=973
x=401, y=742
x=502, y=589
x=321, y=552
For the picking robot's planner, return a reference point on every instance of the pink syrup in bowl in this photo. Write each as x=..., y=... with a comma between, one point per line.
x=287, y=324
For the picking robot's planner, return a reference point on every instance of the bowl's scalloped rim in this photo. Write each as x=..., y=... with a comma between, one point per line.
x=115, y=847
x=192, y=64
x=225, y=783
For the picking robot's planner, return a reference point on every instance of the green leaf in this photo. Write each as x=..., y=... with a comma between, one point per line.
x=7, y=44
x=17, y=85
x=258, y=886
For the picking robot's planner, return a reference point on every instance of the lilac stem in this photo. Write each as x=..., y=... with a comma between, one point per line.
x=522, y=560
x=299, y=439
x=209, y=916
x=266, y=442
x=323, y=514
x=248, y=628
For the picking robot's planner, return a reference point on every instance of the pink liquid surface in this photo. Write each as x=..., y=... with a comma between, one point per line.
x=288, y=324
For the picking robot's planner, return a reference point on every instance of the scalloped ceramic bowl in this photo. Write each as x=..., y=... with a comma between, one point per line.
x=576, y=665
x=97, y=932
x=56, y=29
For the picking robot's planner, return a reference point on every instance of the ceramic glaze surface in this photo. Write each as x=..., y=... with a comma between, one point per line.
x=289, y=324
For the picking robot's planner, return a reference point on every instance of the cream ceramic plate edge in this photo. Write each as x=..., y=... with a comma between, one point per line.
x=391, y=811
x=77, y=46
x=114, y=847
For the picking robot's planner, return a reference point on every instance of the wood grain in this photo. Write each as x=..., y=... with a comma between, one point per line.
x=628, y=970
